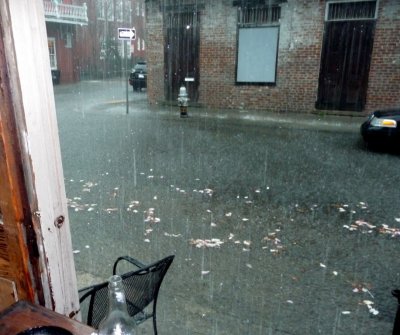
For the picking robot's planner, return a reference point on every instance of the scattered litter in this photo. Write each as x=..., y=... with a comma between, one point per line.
x=146, y=240
x=205, y=273
x=87, y=246
x=384, y=229
x=360, y=288
x=397, y=219
x=150, y=216
x=373, y=311
x=212, y=224
x=249, y=265
x=245, y=250
x=245, y=219
x=390, y=231
x=289, y=301
x=322, y=265
x=109, y=210
x=228, y=214
x=362, y=223
x=341, y=209
x=172, y=235
x=213, y=243
x=247, y=243
x=231, y=236
x=335, y=273
x=90, y=209
x=277, y=243
x=208, y=191
x=369, y=304
x=76, y=251
x=89, y=184
x=257, y=191
x=346, y=312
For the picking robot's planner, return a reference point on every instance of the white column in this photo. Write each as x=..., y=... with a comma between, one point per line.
x=38, y=133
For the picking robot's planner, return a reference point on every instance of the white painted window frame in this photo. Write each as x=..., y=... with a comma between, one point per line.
x=52, y=56
x=26, y=49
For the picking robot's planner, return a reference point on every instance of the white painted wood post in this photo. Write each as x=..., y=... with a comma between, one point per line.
x=37, y=128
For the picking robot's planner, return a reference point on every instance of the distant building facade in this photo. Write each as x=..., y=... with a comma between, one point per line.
x=62, y=20
x=83, y=37
x=275, y=55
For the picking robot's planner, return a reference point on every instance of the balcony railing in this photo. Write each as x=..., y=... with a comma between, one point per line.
x=62, y=13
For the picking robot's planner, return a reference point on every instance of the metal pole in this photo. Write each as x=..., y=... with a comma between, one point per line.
x=126, y=74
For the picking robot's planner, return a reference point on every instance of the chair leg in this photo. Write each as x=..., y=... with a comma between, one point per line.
x=155, y=315
x=396, y=327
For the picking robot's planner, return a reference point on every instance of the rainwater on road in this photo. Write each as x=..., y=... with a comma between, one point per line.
x=280, y=224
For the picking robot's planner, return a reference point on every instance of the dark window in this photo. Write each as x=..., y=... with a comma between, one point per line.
x=258, y=36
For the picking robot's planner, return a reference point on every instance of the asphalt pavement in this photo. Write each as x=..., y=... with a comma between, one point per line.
x=280, y=223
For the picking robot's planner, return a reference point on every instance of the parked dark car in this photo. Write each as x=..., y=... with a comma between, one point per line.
x=382, y=127
x=138, y=76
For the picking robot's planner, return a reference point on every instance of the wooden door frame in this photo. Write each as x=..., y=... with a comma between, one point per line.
x=33, y=201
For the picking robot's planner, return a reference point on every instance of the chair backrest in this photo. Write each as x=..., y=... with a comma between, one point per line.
x=141, y=288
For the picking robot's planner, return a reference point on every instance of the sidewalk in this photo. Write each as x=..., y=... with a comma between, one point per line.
x=287, y=119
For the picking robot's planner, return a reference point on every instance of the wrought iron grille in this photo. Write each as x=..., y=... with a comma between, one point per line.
x=359, y=10
x=258, y=15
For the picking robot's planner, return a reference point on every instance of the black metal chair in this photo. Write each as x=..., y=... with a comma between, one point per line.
x=141, y=289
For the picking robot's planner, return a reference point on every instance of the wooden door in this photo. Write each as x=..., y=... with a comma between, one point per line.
x=345, y=63
x=181, y=58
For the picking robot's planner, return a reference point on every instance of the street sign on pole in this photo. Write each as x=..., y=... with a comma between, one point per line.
x=126, y=34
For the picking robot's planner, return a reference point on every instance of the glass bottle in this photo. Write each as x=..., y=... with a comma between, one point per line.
x=117, y=321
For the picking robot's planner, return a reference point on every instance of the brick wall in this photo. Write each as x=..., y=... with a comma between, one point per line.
x=384, y=76
x=65, y=58
x=154, y=52
x=298, y=63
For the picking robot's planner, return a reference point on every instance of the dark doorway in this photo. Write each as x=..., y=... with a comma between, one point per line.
x=182, y=31
x=345, y=62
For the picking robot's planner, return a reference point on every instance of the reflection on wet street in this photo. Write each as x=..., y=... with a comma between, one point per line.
x=277, y=228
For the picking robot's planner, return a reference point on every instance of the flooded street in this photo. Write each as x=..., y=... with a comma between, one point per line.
x=279, y=225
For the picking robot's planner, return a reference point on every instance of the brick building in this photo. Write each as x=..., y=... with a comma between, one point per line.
x=276, y=55
x=62, y=19
x=101, y=53
x=83, y=37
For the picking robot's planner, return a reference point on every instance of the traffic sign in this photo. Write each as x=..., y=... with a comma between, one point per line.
x=126, y=34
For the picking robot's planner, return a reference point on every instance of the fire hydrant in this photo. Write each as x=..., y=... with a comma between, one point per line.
x=183, y=101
